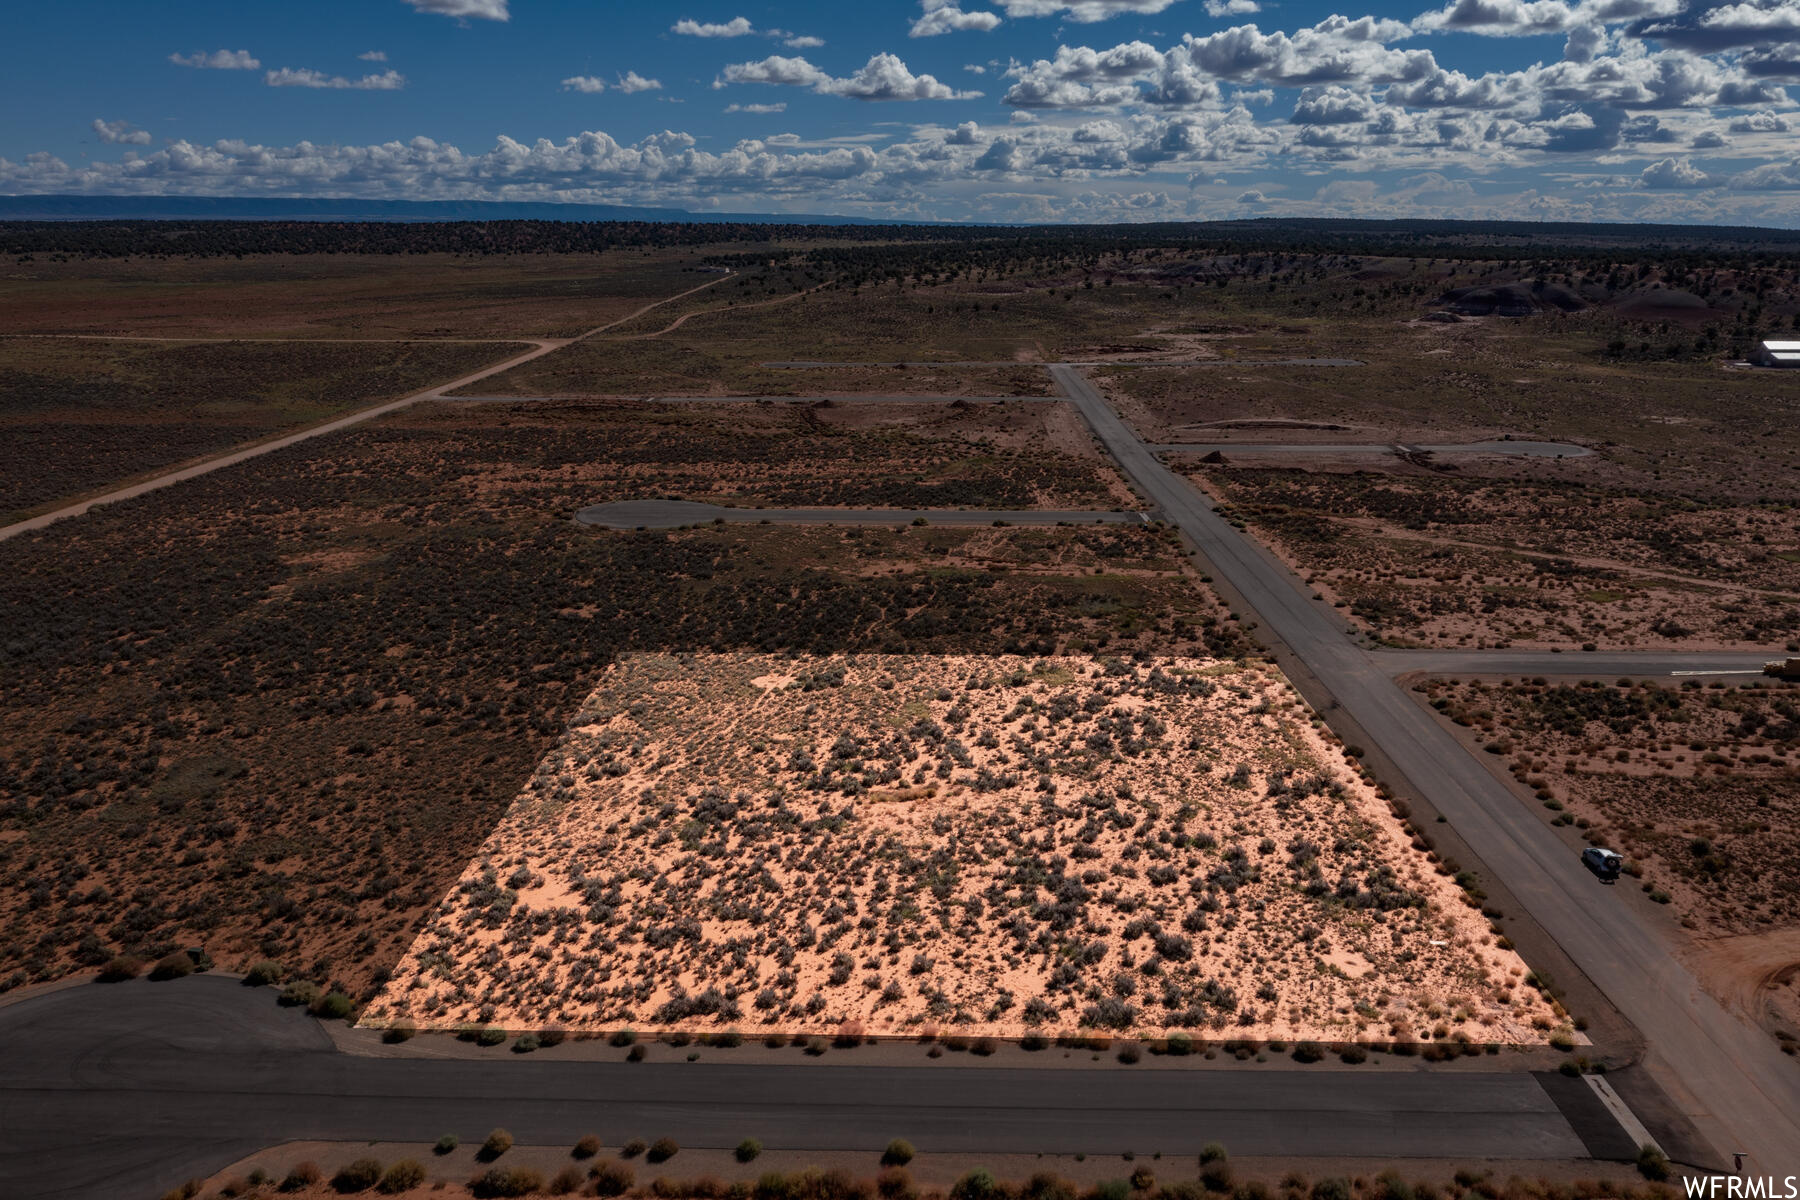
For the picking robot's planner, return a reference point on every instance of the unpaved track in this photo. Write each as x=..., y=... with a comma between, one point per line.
x=540, y=347
x=1725, y=1073
x=1604, y=665
x=1503, y=449
x=804, y=365
x=671, y=514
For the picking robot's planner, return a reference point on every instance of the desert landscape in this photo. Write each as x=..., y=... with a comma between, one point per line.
x=1420, y=559
x=993, y=845
x=375, y=719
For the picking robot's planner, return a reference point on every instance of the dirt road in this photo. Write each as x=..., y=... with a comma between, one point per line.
x=540, y=347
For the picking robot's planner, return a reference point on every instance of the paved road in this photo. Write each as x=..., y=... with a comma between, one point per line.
x=1607, y=665
x=127, y=1089
x=540, y=347
x=668, y=514
x=1740, y=1090
x=1503, y=448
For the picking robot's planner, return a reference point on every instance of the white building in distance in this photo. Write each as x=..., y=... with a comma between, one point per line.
x=1777, y=354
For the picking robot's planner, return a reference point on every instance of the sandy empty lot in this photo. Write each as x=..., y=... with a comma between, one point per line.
x=990, y=844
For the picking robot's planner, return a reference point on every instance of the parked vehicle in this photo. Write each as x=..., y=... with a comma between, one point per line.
x=1783, y=668
x=1603, y=862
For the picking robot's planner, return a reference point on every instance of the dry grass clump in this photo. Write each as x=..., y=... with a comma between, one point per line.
x=996, y=844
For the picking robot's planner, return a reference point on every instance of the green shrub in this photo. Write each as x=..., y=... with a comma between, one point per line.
x=1179, y=1045
x=978, y=1184
x=333, y=1006
x=1212, y=1152
x=633, y=1148
x=567, y=1181
x=506, y=1181
x=1353, y=1054
x=1334, y=1188
x=299, y=994
x=899, y=1152
x=662, y=1150
x=262, y=974
x=624, y=1037
x=403, y=1176
x=1215, y=1175
x=895, y=1183
x=358, y=1176
x=1308, y=1052
x=1142, y=1179
x=120, y=969
x=497, y=1143
x=175, y=966
x=1034, y=1042
x=446, y=1144
x=525, y=1043
x=1390, y=1186
x=729, y=1039
x=773, y=1185
x=1652, y=1163
x=635, y=1054
x=748, y=1150
x=610, y=1178
x=1045, y=1186
x=587, y=1147
x=303, y=1175
x=490, y=1036
x=1111, y=1189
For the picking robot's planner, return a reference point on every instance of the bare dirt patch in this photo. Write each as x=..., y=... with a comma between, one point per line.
x=992, y=843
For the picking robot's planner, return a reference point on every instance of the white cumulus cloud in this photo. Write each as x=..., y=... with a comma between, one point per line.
x=883, y=77
x=1675, y=173
x=485, y=10
x=947, y=16
x=218, y=60
x=306, y=77
x=584, y=83
x=120, y=133
x=1084, y=11
x=734, y=28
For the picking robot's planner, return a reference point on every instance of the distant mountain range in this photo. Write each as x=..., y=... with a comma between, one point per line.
x=1346, y=234
x=275, y=208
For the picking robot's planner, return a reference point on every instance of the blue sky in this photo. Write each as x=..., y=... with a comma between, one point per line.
x=1032, y=110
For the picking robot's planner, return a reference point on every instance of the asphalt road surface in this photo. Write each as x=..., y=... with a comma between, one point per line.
x=1506, y=449
x=1727, y=1074
x=669, y=514
x=126, y=1089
